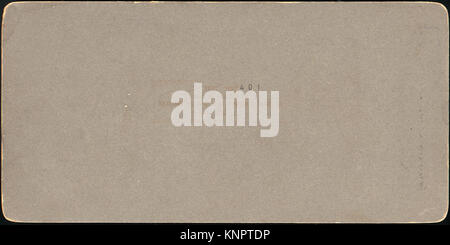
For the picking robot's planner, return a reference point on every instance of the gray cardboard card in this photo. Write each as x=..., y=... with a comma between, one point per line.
x=225, y=112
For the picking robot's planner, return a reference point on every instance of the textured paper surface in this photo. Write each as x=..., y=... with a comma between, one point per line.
x=87, y=136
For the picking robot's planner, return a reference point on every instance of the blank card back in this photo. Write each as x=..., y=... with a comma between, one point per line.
x=88, y=98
